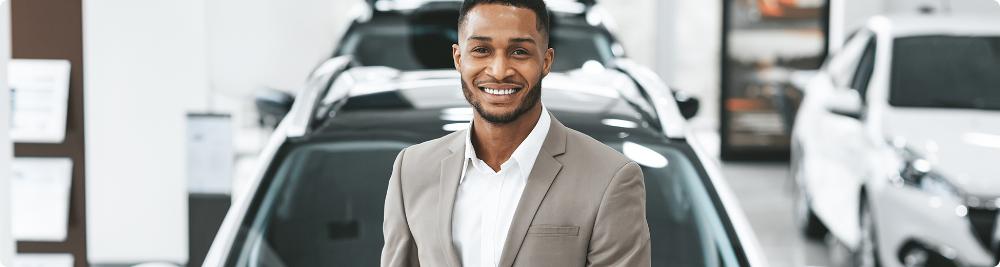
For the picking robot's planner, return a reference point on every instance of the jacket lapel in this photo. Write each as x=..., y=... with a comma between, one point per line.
x=451, y=172
x=540, y=178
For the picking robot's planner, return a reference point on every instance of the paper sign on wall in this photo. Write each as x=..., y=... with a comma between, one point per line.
x=210, y=156
x=43, y=260
x=39, y=90
x=40, y=198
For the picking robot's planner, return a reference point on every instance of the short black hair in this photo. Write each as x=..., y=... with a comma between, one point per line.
x=537, y=6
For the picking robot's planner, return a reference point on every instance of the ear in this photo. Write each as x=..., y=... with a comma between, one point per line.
x=550, y=55
x=456, y=55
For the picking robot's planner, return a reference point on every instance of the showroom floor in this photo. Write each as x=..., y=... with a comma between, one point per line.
x=767, y=194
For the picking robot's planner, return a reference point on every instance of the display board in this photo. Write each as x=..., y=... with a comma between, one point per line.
x=765, y=46
x=39, y=31
x=39, y=90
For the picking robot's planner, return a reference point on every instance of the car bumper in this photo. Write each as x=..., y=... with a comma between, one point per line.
x=909, y=220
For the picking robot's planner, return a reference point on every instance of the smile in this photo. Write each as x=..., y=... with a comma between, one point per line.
x=494, y=91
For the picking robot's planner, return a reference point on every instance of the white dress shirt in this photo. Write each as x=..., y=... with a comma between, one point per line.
x=486, y=200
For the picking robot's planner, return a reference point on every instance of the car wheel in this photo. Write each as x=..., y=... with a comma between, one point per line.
x=867, y=252
x=805, y=218
x=808, y=223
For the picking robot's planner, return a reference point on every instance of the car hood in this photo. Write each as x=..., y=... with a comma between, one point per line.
x=963, y=145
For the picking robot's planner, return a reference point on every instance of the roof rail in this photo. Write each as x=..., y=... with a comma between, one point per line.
x=300, y=117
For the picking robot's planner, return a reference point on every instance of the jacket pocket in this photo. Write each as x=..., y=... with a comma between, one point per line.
x=553, y=230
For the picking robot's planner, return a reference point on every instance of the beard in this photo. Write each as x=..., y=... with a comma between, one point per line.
x=532, y=98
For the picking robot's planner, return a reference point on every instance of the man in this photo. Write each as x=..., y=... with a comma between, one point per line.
x=517, y=188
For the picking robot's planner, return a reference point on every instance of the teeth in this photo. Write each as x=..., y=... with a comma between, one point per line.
x=499, y=91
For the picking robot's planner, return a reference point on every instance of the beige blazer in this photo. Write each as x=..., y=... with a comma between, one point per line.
x=584, y=205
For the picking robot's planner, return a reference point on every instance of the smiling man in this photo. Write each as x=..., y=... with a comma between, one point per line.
x=517, y=188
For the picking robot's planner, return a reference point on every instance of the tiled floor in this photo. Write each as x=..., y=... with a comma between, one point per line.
x=766, y=194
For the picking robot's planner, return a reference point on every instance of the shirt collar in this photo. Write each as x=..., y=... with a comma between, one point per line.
x=525, y=153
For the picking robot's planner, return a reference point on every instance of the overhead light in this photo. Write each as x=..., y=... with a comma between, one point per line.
x=453, y=127
x=592, y=66
x=961, y=210
x=643, y=155
x=619, y=123
x=457, y=114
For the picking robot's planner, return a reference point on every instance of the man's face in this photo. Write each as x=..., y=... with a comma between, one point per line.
x=502, y=58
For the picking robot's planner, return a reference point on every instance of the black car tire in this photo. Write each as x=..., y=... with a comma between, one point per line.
x=806, y=220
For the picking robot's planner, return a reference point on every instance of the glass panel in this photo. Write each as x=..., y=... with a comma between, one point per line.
x=946, y=72
x=865, y=69
x=397, y=44
x=323, y=207
x=684, y=225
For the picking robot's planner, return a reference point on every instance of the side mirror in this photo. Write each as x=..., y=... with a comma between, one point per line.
x=845, y=102
x=688, y=104
x=272, y=106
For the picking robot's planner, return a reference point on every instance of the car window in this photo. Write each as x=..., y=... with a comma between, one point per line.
x=946, y=72
x=323, y=207
x=684, y=224
x=842, y=66
x=866, y=66
x=420, y=46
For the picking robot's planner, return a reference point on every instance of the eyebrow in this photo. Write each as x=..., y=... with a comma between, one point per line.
x=512, y=40
x=522, y=40
x=480, y=38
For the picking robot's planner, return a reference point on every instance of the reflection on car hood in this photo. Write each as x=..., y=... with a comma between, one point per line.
x=962, y=144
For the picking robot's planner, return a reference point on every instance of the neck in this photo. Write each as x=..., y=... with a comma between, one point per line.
x=495, y=143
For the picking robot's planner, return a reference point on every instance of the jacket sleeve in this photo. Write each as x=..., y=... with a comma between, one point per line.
x=621, y=235
x=400, y=248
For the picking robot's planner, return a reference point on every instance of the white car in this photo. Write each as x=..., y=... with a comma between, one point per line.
x=896, y=145
x=318, y=195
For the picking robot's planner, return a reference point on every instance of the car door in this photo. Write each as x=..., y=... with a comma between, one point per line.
x=841, y=142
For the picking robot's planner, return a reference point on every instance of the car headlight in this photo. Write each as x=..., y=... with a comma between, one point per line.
x=918, y=173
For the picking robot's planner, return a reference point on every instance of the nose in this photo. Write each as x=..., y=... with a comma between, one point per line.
x=499, y=68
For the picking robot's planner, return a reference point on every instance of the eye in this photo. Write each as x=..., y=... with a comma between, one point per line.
x=520, y=52
x=480, y=50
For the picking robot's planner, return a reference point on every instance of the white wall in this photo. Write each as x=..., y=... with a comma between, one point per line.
x=256, y=44
x=680, y=41
x=270, y=43
x=639, y=42
x=696, y=46
x=149, y=63
x=145, y=67
x=6, y=153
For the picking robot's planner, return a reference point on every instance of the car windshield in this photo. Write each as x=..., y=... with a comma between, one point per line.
x=419, y=46
x=323, y=207
x=946, y=72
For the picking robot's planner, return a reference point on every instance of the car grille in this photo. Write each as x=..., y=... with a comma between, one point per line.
x=983, y=223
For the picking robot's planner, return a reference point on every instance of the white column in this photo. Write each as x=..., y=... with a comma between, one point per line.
x=666, y=39
x=7, y=245
x=688, y=50
x=145, y=69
